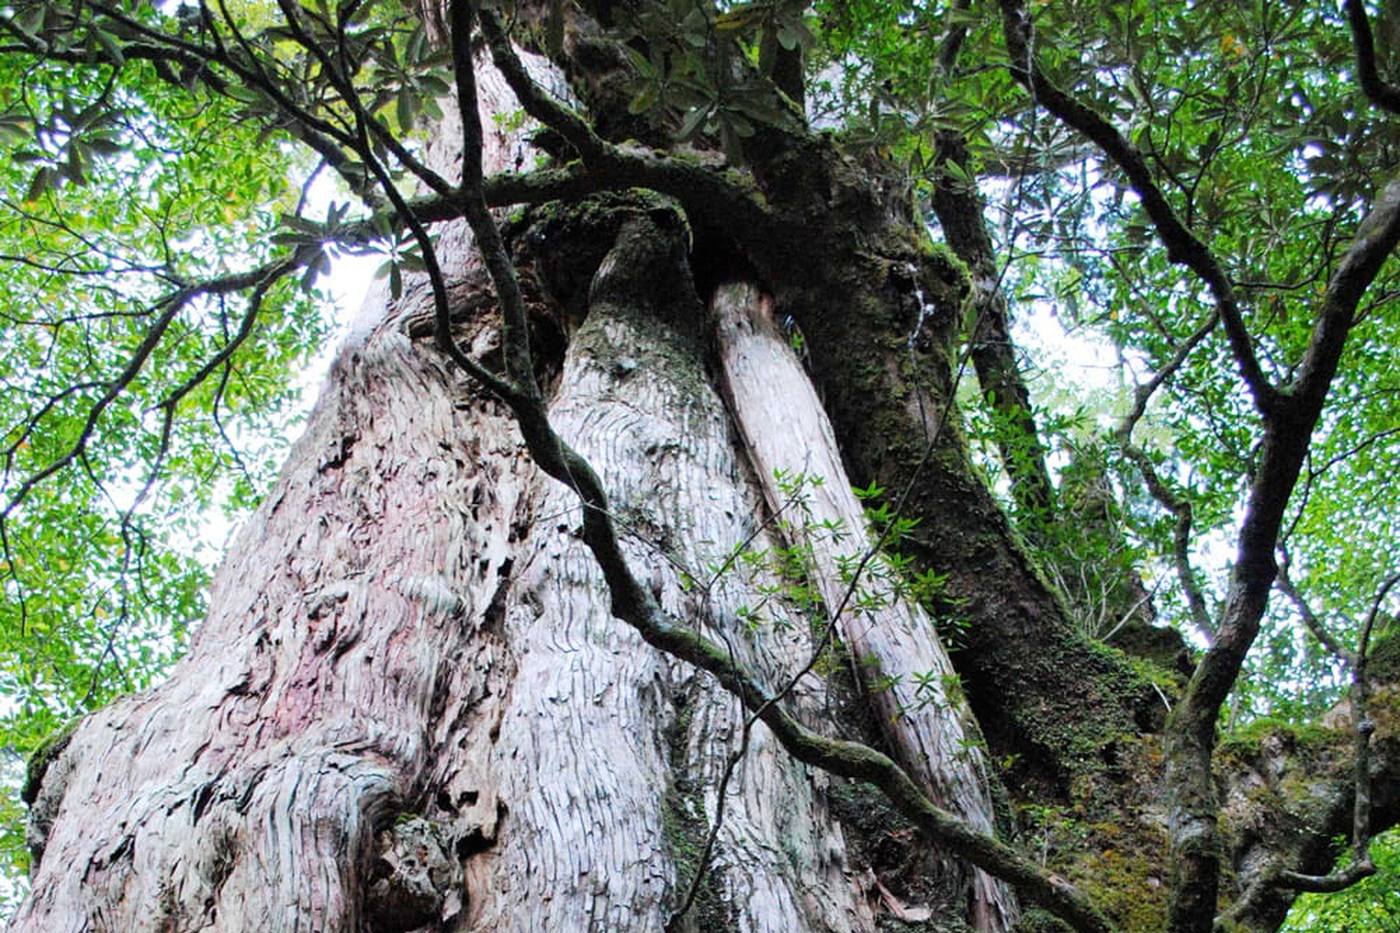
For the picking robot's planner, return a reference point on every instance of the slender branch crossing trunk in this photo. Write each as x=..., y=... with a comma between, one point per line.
x=904, y=667
x=410, y=706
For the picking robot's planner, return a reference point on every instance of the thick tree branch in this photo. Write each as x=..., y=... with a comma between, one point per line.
x=515, y=328
x=959, y=207
x=536, y=102
x=709, y=191
x=1375, y=240
x=1287, y=437
x=1381, y=93
x=1289, y=420
x=1256, y=897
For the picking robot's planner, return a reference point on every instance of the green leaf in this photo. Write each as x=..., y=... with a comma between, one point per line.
x=42, y=182
x=110, y=46
x=406, y=107
x=395, y=281
x=73, y=167
x=103, y=145
x=14, y=129
x=312, y=270
x=644, y=100
x=694, y=119
x=246, y=95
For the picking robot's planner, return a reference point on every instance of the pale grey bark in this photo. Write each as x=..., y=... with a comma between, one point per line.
x=410, y=706
x=610, y=754
x=893, y=642
x=246, y=792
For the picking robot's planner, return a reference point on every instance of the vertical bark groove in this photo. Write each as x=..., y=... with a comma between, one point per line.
x=599, y=824
x=297, y=727
x=896, y=650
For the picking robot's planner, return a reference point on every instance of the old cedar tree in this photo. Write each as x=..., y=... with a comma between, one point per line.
x=497, y=652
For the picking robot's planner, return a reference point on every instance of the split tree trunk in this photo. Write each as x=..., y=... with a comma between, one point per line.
x=409, y=707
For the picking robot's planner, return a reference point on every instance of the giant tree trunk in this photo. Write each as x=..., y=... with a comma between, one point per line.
x=410, y=708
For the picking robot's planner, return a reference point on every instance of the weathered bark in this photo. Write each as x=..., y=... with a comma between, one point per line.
x=886, y=370
x=297, y=728
x=891, y=639
x=1287, y=796
x=390, y=639
x=608, y=754
x=247, y=792
x=406, y=630
x=410, y=705
x=1062, y=526
x=833, y=236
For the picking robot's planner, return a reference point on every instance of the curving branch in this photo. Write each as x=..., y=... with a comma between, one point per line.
x=1179, y=506
x=707, y=190
x=1310, y=618
x=1362, y=829
x=536, y=102
x=1142, y=395
x=1380, y=92
x=1288, y=430
x=171, y=306
x=1184, y=247
x=959, y=208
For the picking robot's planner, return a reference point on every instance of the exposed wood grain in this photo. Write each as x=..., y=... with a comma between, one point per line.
x=410, y=702
x=896, y=648
x=248, y=791
x=610, y=753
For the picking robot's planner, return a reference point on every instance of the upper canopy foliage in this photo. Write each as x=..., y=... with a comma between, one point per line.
x=160, y=264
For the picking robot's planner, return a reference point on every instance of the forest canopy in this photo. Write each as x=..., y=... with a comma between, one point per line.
x=1175, y=221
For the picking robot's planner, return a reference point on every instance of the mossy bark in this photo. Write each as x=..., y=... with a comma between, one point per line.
x=879, y=308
